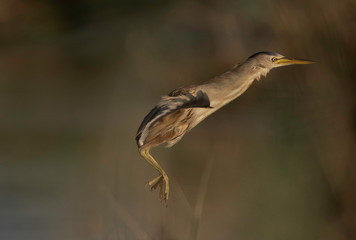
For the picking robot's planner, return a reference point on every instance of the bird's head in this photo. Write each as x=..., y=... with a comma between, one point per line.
x=269, y=60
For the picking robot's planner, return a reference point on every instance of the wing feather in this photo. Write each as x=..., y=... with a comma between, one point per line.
x=178, y=99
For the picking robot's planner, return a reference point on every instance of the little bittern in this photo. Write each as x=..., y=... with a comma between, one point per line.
x=185, y=107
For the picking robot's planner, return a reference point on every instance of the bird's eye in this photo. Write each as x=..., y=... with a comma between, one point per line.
x=274, y=59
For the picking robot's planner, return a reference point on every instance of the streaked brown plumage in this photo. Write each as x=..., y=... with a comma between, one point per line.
x=185, y=107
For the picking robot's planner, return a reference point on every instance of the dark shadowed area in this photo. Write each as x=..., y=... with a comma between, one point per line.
x=78, y=77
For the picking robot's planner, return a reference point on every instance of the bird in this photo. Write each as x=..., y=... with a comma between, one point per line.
x=182, y=109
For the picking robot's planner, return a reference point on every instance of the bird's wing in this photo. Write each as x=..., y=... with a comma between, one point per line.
x=178, y=99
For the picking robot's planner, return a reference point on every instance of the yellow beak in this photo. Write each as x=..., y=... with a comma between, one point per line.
x=286, y=61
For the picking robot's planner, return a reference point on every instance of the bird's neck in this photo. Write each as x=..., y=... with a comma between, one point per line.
x=247, y=71
x=230, y=85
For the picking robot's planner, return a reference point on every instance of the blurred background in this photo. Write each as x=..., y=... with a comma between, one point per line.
x=78, y=77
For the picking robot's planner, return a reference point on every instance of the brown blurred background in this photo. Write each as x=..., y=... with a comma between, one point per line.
x=77, y=78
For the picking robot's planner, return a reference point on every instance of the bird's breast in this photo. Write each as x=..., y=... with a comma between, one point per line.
x=199, y=114
x=223, y=95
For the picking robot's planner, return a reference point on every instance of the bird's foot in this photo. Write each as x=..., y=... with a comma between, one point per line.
x=162, y=182
x=154, y=183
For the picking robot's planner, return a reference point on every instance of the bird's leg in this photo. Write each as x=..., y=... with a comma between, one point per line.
x=162, y=180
